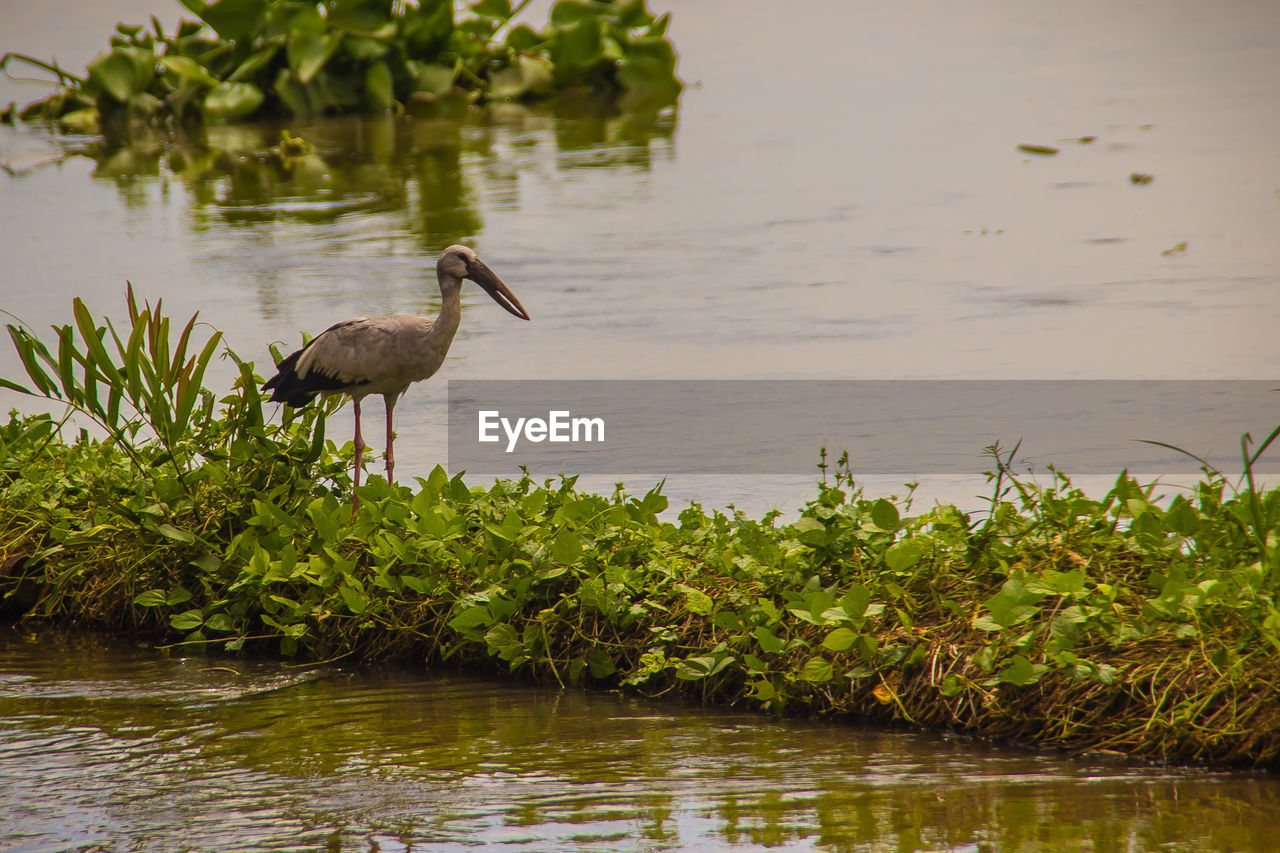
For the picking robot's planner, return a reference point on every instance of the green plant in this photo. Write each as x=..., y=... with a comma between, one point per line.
x=1129, y=622
x=254, y=58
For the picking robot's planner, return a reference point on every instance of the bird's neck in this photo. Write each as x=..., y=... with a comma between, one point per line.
x=450, y=307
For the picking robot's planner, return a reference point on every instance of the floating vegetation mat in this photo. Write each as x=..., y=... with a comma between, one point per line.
x=1137, y=623
x=267, y=58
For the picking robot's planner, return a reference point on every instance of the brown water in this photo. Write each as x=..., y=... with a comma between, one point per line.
x=838, y=196
x=110, y=746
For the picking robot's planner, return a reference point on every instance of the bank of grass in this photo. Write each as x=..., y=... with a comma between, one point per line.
x=1126, y=623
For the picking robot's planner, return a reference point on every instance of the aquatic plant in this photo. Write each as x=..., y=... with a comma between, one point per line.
x=1129, y=623
x=259, y=58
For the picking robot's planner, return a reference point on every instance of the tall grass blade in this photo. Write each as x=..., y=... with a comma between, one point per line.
x=31, y=351
x=66, y=366
x=1213, y=471
x=180, y=351
x=92, y=336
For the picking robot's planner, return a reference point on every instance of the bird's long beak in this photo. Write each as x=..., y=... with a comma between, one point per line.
x=486, y=278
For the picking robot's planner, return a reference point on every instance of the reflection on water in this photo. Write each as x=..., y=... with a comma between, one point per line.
x=418, y=172
x=107, y=746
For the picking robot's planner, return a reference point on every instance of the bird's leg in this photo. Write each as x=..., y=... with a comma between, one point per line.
x=391, y=438
x=355, y=476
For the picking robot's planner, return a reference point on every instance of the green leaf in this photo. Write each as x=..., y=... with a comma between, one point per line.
x=13, y=386
x=220, y=622
x=122, y=73
x=431, y=78
x=507, y=84
x=770, y=643
x=187, y=621
x=884, y=515
x=30, y=350
x=150, y=598
x=295, y=96
x=497, y=9
x=811, y=531
x=696, y=600
x=694, y=668
x=631, y=14
x=378, y=87
x=364, y=49
x=600, y=664
x=170, y=532
x=1019, y=671
x=566, y=13
x=308, y=53
x=475, y=616
x=903, y=555
x=418, y=585
x=177, y=595
x=566, y=548
x=840, y=640
x=251, y=65
x=190, y=72
x=361, y=18
x=353, y=598
x=579, y=45
x=427, y=28
x=648, y=71
x=229, y=101
x=855, y=601
x=523, y=38
x=764, y=691
x=816, y=670
x=232, y=19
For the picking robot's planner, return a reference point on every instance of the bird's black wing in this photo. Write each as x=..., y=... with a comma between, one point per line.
x=297, y=391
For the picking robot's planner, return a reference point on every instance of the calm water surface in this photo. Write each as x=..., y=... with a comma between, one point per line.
x=838, y=196
x=110, y=746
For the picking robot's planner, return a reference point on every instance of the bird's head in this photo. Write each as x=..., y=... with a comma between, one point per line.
x=459, y=262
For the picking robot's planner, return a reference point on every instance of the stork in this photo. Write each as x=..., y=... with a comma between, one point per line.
x=385, y=355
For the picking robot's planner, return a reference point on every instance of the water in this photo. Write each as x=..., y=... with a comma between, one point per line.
x=838, y=196
x=110, y=746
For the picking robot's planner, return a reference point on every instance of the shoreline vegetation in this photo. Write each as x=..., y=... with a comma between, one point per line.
x=1135, y=623
x=300, y=59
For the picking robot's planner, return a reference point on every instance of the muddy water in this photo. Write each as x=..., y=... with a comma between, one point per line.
x=110, y=746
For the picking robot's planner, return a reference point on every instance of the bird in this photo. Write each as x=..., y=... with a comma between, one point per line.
x=385, y=355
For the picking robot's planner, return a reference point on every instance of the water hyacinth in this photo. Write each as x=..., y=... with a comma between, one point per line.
x=1128, y=623
x=250, y=59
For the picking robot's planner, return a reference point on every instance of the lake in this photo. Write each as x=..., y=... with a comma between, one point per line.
x=840, y=195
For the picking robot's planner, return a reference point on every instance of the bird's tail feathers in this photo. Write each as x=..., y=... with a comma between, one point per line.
x=286, y=387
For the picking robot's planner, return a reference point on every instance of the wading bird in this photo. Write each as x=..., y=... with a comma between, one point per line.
x=385, y=355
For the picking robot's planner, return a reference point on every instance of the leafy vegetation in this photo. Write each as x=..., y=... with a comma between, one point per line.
x=302, y=58
x=1131, y=623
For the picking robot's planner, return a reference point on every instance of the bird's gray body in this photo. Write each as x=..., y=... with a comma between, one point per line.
x=381, y=355
x=385, y=355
